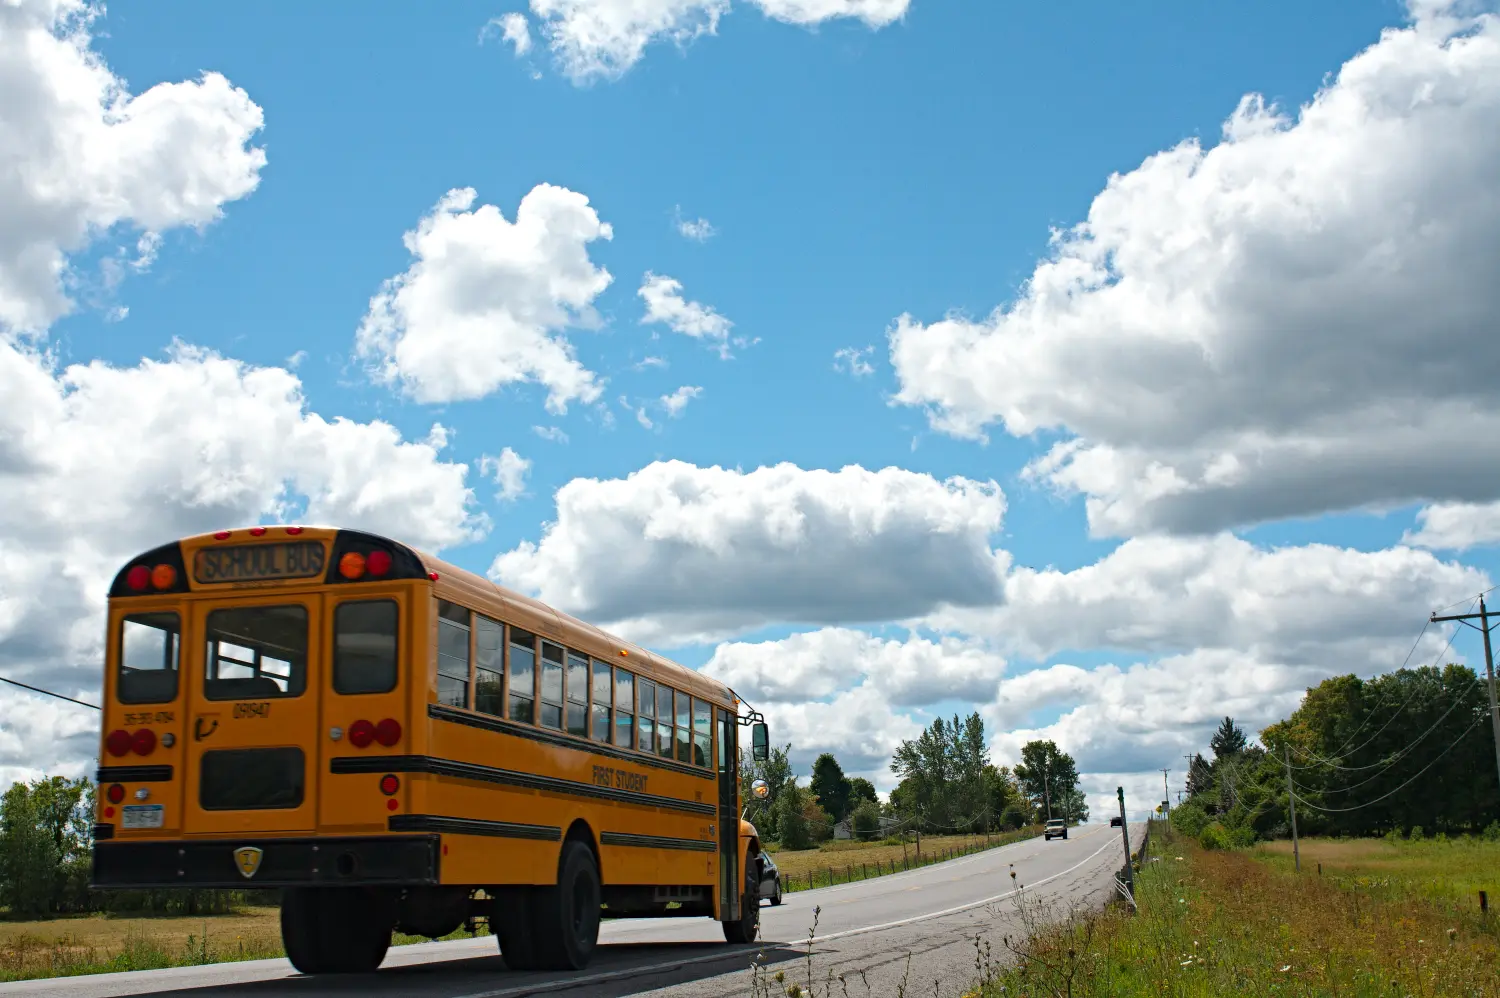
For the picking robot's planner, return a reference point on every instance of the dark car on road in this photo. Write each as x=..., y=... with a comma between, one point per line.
x=1116, y=821
x=770, y=878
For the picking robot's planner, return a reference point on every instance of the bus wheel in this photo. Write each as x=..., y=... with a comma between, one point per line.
x=747, y=927
x=567, y=916
x=510, y=920
x=336, y=930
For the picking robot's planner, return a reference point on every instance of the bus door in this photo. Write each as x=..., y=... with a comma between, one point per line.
x=731, y=877
x=369, y=635
x=253, y=677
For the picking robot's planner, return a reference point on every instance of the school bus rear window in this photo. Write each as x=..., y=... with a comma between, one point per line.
x=256, y=653
x=364, y=647
x=150, y=644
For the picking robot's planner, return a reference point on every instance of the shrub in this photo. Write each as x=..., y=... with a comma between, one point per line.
x=866, y=821
x=1012, y=817
x=1189, y=818
x=1492, y=832
x=1416, y=833
x=1214, y=836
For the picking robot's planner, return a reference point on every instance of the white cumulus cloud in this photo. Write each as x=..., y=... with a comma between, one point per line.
x=602, y=39
x=678, y=400
x=485, y=301
x=1295, y=320
x=675, y=553
x=81, y=157
x=508, y=471
x=99, y=463
x=665, y=304
x=511, y=28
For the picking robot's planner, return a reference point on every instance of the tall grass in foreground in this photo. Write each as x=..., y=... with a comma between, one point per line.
x=1217, y=924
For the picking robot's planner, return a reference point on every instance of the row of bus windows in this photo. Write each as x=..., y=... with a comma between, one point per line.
x=497, y=669
x=259, y=652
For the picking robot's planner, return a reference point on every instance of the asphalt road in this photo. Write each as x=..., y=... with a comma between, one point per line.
x=919, y=925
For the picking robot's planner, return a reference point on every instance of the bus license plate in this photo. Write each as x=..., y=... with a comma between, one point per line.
x=142, y=816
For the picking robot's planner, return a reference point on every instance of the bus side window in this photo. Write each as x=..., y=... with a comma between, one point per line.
x=364, y=646
x=684, y=727
x=521, y=672
x=489, y=642
x=552, y=685
x=624, y=704
x=664, y=721
x=646, y=693
x=453, y=654
x=578, y=695
x=599, y=708
x=702, y=722
x=149, y=646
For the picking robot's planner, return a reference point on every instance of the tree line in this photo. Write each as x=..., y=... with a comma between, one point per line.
x=947, y=784
x=1409, y=752
x=46, y=856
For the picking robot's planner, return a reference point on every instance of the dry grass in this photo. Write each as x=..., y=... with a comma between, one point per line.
x=1442, y=870
x=1241, y=923
x=96, y=944
x=847, y=859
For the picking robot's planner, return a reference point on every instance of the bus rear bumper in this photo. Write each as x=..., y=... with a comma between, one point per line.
x=253, y=863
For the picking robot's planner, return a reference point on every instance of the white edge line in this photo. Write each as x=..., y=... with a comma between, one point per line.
x=722, y=955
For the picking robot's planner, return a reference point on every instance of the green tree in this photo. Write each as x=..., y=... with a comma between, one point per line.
x=861, y=789
x=1228, y=741
x=865, y=820
x=776, y=770
x=831, y=786
x=942, y=773
x=1048, y=778
x=44, y=845
x=790, y=820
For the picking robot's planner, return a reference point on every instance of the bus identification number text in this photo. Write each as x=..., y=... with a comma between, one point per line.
x=620, y=779
x=159, y=717
x=262, y=709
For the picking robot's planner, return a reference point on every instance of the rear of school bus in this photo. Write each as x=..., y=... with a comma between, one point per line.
x=237, y=663
x=265, y=711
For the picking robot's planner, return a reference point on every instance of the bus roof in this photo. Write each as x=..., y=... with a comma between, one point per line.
x=460, y=586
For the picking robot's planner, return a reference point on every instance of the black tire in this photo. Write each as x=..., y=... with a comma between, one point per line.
x=567, y=916
x=776, y=898
x=510, y=920
x=747, y=927
x=336, y=930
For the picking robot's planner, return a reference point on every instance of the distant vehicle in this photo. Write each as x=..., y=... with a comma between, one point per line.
x=770, y=878
x=1116, y=821
x=1057, y=827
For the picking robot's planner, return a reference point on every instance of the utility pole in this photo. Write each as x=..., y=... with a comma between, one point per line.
x=1047, y=784
x=1189, y=775
x=1167, y=800
x=1291, y=799
x=1125, y=836
x=1489, y=664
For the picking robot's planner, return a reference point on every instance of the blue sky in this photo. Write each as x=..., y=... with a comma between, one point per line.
x=852, y=174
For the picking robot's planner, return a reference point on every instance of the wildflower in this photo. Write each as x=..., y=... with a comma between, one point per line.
x=1286, y=968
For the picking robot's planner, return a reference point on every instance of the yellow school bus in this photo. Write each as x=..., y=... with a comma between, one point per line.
x=398, y=744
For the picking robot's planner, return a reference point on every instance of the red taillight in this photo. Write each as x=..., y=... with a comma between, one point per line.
x=389, y=784
x=432, y=576
x=115, y=793
x=138, y=578
x=388, y=732
x=378, y=563
x=294, y=531
x=257, y=531
x=118, y=742
x=222, y=535
x=144, y=742
x=361, y=733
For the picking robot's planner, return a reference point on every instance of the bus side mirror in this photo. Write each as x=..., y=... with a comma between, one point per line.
x=760, y=742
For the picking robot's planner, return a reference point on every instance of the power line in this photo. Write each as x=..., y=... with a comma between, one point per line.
x=1344, y=749
x=38, y=689
x=1377, y=800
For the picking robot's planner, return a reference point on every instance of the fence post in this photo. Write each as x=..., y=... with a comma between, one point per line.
x=1484, y=903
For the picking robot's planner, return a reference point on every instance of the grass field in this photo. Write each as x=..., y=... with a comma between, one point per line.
x=1383, y=919
x=97, y=944
x=842, y=860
